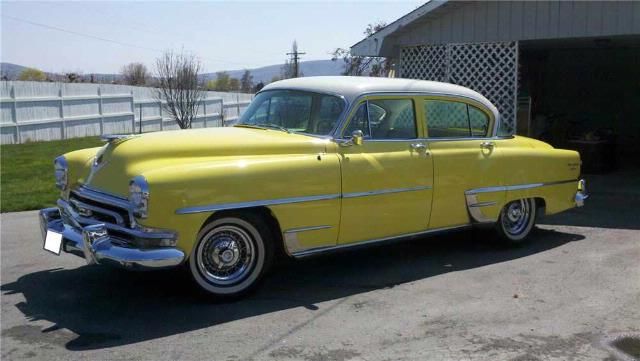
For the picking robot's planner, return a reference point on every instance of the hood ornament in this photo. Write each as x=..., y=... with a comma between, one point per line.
x=109, y=138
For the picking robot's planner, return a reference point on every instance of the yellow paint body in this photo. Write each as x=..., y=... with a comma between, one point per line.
x=191, y=168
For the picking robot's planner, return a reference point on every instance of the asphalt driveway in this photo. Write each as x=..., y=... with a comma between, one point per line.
x=566, y=295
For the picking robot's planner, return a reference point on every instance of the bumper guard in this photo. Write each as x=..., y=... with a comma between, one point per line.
x=581, y=194
x=93, y=243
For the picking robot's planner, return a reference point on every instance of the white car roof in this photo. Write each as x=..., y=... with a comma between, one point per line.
x=351, y=87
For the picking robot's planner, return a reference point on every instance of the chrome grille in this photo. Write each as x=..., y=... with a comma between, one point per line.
x=68, y=218
x=101, y=207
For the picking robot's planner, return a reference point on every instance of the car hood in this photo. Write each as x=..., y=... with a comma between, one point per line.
x=124, y=158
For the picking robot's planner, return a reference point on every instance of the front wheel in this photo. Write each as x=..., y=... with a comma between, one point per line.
x=231, y=256
x=516, y=220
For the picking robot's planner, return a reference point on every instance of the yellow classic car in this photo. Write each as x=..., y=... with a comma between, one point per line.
x=314, y=165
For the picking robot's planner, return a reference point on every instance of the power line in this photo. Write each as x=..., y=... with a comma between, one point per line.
x=104, y=39
x=79, y=34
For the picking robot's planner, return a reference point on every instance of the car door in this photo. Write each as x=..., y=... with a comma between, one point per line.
x=387, y=180
x=466, y=162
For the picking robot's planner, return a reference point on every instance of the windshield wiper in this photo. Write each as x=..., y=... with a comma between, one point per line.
x=264, y=126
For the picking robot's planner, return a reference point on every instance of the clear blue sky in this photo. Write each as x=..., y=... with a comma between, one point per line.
x=224, y=35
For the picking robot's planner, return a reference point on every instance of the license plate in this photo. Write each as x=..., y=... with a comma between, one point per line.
x=53, y=242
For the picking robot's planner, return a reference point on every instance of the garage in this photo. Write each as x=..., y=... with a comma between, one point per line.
x=583, y=94
x=563, y=72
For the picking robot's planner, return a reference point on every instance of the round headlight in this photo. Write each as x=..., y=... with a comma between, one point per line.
x=61, y=170
x=139, y=196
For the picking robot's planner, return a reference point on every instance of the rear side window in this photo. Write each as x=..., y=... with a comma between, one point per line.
x=450, y=119
x=479, y=122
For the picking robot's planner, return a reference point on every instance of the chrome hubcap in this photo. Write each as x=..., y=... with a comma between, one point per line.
x=515, y=216
x=226, y=255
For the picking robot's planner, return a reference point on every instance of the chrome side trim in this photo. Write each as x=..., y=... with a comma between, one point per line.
x=273, y=202
x=453, y=139
x=516, y=187
x=313, y=251
x=483, y=204
x=384, y=191
x=560, y=182
x=475, y=208
x=291, y=237
x=429, y=140
x=268, y=202
x=304, y=229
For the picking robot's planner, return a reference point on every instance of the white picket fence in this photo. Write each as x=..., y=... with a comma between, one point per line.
x=39, y=111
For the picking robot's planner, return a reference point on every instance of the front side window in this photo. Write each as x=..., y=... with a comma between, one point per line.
x=384, y=119
x=294, y=111
x=359, y=121
x=450, y=119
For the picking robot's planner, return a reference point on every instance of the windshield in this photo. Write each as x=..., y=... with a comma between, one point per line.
x=294, y=111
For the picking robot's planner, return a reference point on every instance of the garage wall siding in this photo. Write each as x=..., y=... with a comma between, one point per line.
x=510, y=21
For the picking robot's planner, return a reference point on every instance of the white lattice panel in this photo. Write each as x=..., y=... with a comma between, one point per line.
x=424, y=62
x=488, y=68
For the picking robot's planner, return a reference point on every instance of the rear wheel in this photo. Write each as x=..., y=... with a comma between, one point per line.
x=231, y=255
x=516, y=220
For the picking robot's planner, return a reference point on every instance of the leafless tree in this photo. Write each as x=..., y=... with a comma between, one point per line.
x=177, y=75
x=135, y=74
x=363, y=65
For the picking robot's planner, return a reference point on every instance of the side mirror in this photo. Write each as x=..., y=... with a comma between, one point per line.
x=357, y=137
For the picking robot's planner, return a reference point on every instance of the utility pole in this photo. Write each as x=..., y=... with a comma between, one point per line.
x=295, y=57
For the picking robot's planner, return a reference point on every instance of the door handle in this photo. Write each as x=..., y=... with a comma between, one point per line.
x=420, y=147
x=487, y=145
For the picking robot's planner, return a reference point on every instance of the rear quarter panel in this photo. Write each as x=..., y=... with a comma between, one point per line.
x=527, y=161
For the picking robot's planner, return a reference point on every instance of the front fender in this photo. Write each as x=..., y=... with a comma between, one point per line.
x=79, y=162
x=243, y=182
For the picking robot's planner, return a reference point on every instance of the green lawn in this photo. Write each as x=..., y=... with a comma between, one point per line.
x=26, y=172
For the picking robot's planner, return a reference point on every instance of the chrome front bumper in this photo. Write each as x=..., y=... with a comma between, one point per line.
x=581, y=194
x=96, y=246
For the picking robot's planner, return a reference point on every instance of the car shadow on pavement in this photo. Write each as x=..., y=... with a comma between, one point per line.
x=105, y=307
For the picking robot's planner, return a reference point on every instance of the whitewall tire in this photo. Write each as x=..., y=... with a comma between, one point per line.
x=516, y=220
x=231, y=255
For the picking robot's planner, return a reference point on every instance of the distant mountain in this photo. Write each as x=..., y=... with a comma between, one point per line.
x=266, y=73
x=11, y=71
x=263, y=74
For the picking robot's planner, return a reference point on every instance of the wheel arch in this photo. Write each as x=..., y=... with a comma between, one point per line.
x=541, y=206
x=261, y=211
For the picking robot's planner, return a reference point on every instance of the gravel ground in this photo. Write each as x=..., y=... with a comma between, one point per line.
x=566, y=295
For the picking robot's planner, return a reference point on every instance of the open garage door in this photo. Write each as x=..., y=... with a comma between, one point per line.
x=585, y=95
